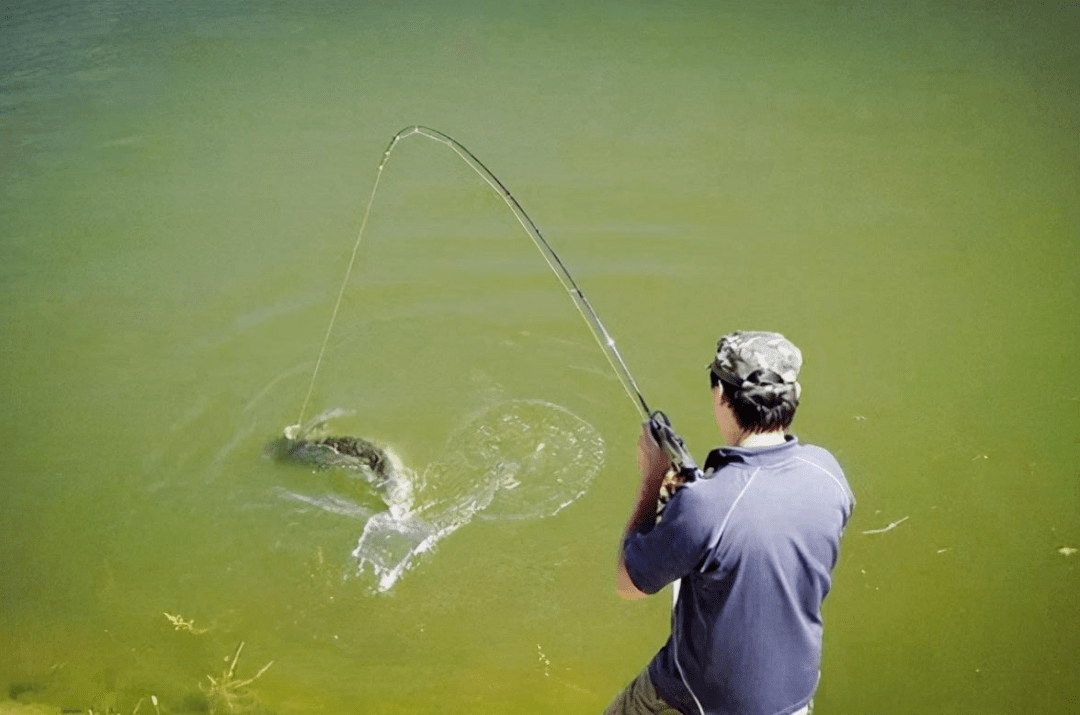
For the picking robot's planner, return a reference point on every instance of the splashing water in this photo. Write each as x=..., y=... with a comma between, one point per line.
x=519, y=459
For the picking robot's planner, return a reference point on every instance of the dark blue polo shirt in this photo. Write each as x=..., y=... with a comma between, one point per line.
x=754, y=543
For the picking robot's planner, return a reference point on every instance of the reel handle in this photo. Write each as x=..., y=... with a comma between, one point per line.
x=673, y=446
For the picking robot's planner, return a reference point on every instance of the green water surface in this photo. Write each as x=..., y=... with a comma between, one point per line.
x=892, y=185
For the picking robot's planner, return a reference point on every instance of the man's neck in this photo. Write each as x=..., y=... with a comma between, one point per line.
x=762, y=439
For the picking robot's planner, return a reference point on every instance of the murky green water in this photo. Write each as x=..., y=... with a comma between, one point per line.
x=893, y=185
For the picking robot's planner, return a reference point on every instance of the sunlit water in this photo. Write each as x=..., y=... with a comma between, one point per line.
x=891, y=185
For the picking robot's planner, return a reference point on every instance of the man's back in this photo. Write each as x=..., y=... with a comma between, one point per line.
x=754, y=544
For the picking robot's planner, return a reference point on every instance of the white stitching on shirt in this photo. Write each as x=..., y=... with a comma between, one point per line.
x=723, y=527
x=727, y=517
x=675, y=622
x=843, y=491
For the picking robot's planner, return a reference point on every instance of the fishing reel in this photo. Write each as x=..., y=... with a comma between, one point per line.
x=686, y=469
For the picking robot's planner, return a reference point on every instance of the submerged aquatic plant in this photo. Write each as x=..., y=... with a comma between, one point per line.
x=153, y=699
x=227, y=694
x=180, y=624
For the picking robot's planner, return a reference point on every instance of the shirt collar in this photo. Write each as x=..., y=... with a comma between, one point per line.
x=753, y=456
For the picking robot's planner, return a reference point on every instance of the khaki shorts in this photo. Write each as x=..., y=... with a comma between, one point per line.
x=640, y=698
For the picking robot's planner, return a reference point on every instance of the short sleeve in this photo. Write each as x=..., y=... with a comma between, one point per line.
x=675, y=546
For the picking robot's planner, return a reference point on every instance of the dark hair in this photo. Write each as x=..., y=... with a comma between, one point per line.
x=769, y=406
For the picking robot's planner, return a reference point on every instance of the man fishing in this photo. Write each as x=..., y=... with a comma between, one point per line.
x=750, y=544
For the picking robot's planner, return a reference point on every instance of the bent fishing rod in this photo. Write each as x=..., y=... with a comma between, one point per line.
x=659, y=424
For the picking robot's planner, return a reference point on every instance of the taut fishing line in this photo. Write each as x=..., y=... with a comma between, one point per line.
x=517, y=459
x=596, y=326
x=659, y=424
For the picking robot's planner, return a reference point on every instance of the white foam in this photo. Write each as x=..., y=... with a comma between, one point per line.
x=330, y=503
x=519, y=459
x=389, y=544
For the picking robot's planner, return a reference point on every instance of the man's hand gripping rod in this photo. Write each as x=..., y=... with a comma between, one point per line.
x=686, y=469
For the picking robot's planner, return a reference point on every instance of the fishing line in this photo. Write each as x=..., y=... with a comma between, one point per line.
x=596, y=326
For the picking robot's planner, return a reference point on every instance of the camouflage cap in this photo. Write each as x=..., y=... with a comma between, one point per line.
x=748, y=359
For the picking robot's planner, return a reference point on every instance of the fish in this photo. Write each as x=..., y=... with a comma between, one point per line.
x=354, y=453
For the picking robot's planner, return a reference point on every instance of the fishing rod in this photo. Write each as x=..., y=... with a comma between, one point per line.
x=659, y=424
